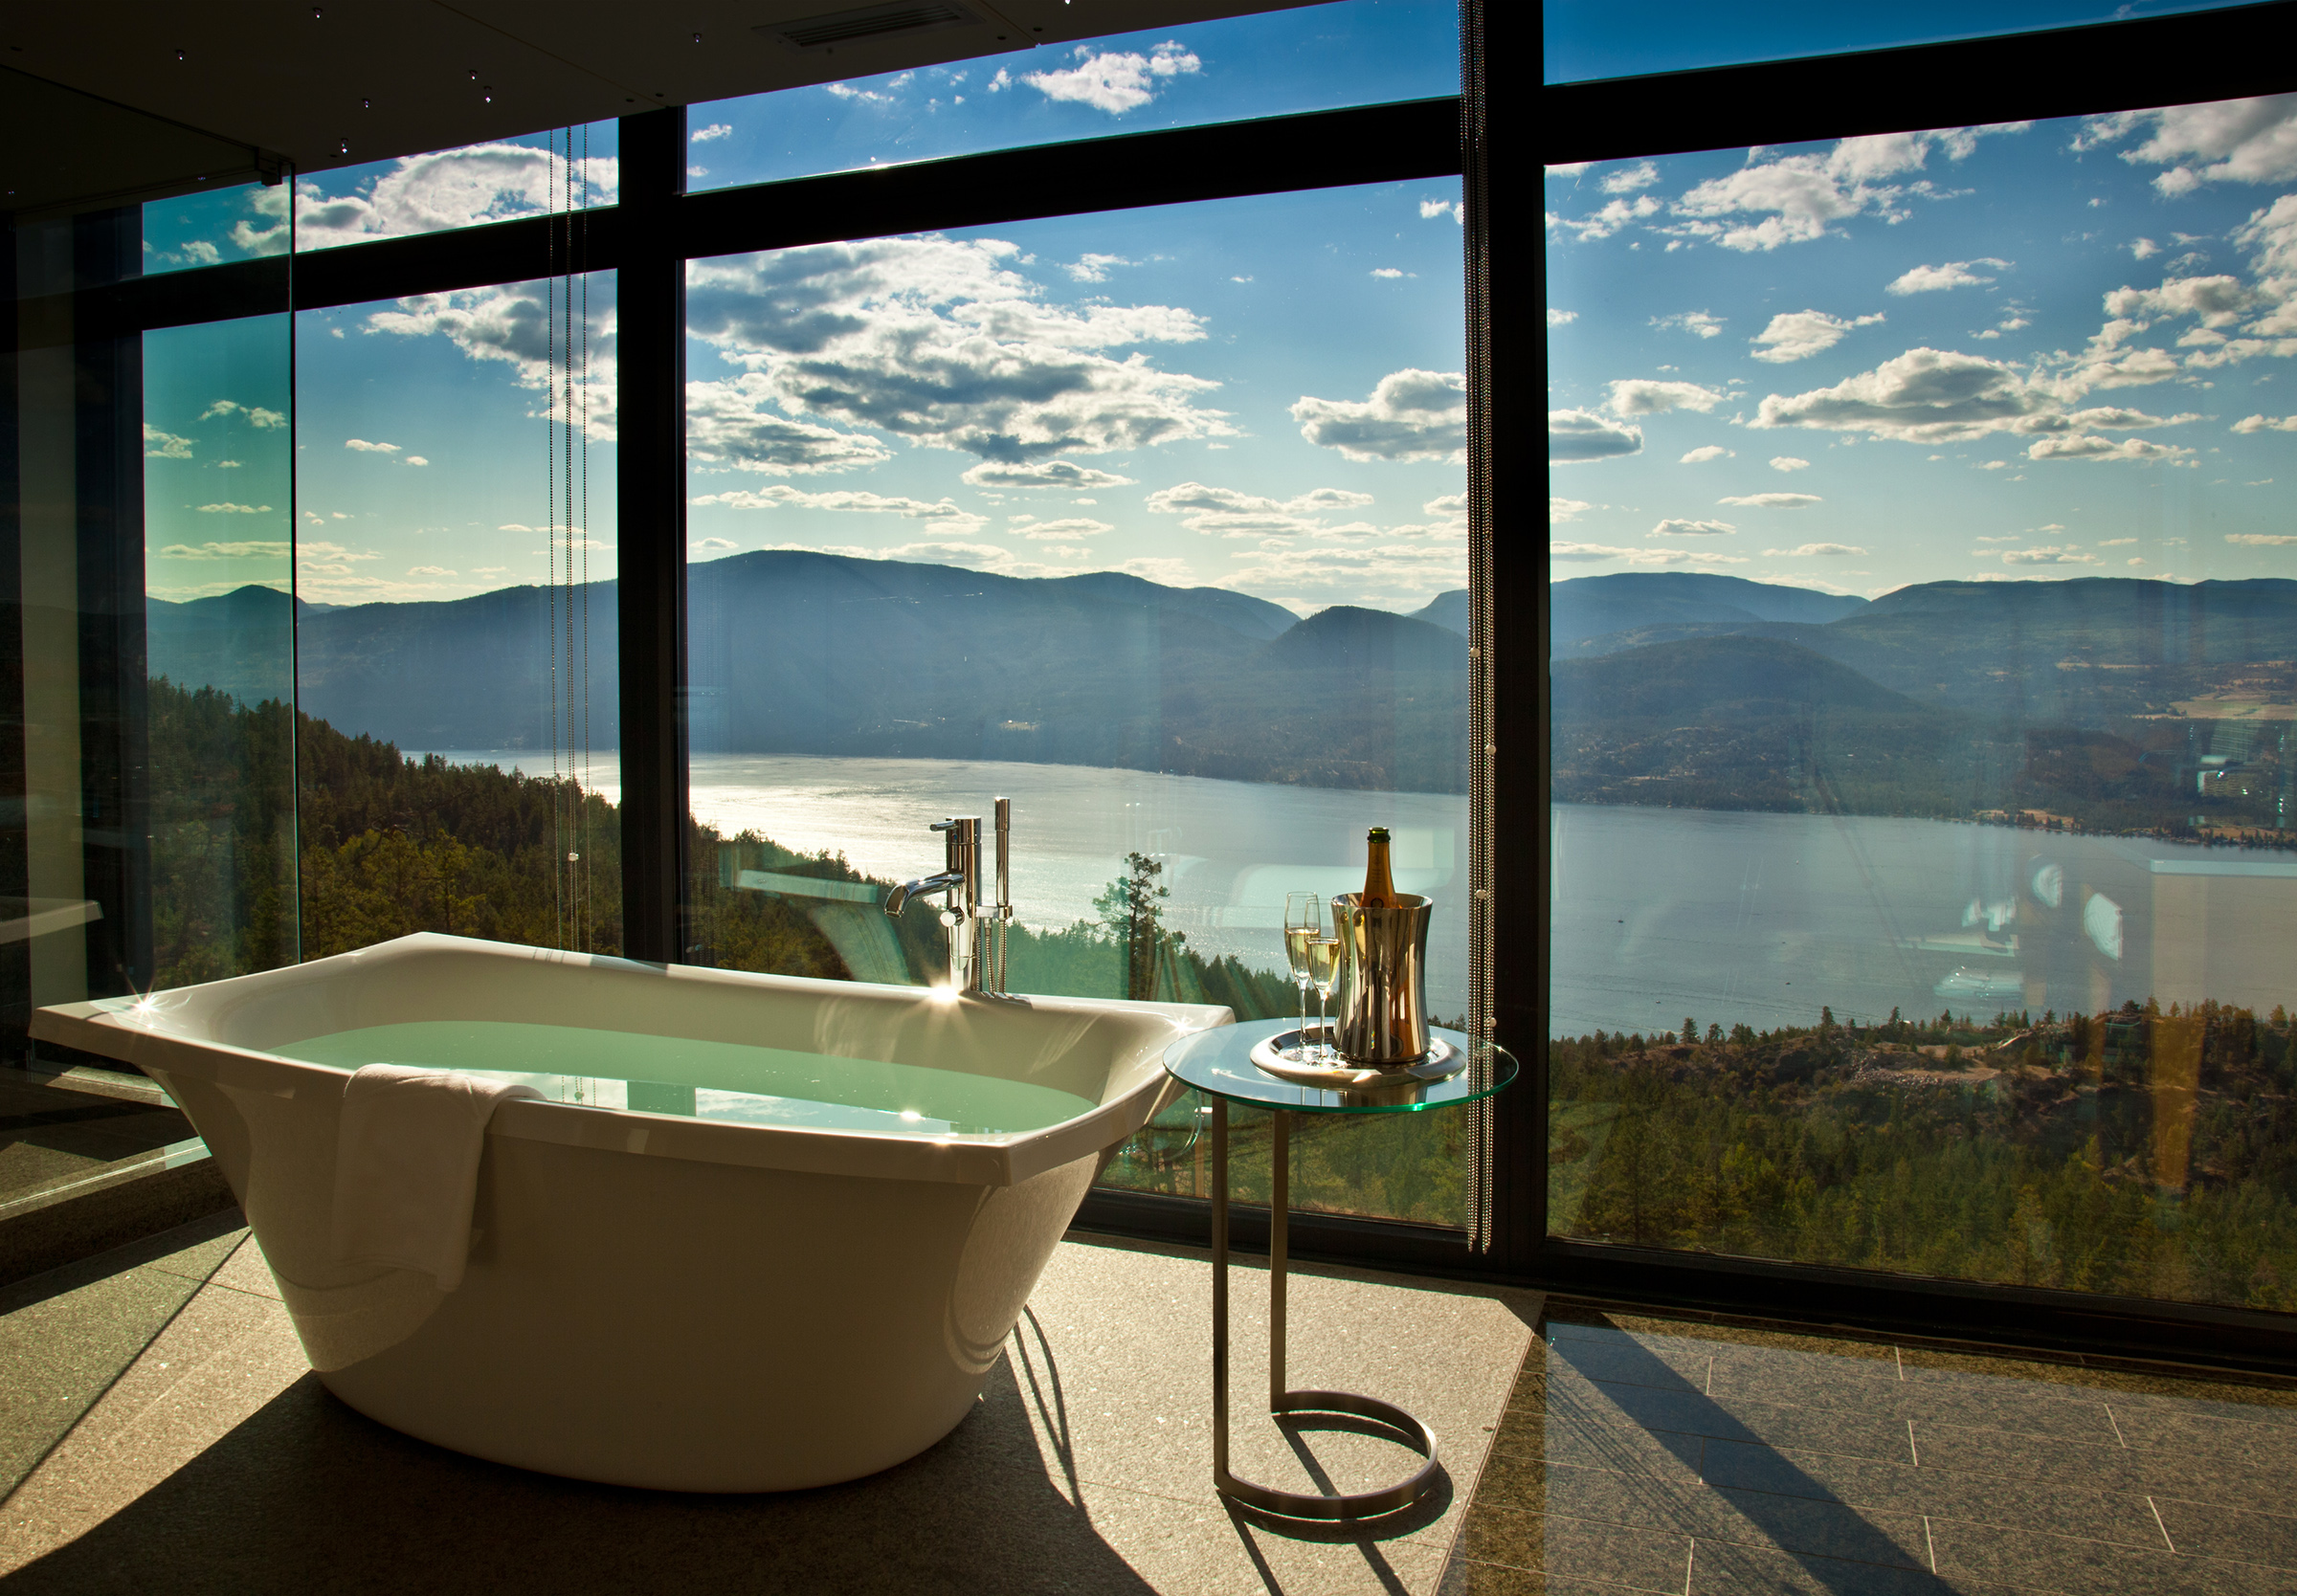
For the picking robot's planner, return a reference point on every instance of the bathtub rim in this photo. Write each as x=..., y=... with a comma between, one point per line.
x=108, y=1027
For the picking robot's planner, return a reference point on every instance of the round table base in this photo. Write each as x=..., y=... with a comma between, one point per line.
x=1358, y=1504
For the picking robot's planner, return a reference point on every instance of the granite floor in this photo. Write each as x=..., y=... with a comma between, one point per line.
x=1695, y=1455
x=160, y=1429
x=51, y=1135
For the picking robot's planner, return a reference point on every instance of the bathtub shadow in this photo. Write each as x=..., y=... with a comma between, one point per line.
x=309, y=1496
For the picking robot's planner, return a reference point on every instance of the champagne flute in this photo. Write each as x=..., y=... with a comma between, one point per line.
x=1324, y=969
x=1303, y=919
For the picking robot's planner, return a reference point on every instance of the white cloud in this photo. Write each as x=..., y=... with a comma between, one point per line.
x=2051, y=555
x=1704, y=453
x=416, y=460
x=262, y=551
x=1787, y=462
x=1094, y=268
x=1565, y=509
x=2262, y=540
x=2086, y=446
x=257, y=415
x=1578, y=436
x=1691, y=529
x=940, y=342
x=1561, y=317
x=425, y=194
x=2144, y=249
x=1577, y=553
x=2227, y=140
x=777, y=496
x=1113, y=82
x=703, y=135
x=1410, y=415
x=2109, y=542
x=1798, y=334
x=513, y=323
x=1603, y=222
x=1696, y=323
x=1389, y=272
x=431, y=570
x=1633, y=396
x=1064, y=475
x=2247, y=424
x=729, y=423
x=1812, y=551
x=1774, y=500
x=1954, y=274
x=713, y=546
x=1641, y=175
x=228, y=465
x=1798, y=196
x=362, y=447
x=1933, y=396
x=1063, y=531
x=1226, y=513
x=1430, y=209
x=165, y=446
x=229, y=509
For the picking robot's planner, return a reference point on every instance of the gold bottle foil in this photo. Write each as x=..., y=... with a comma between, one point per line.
x=1382, y=1017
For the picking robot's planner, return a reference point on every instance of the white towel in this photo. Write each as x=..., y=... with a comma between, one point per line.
x=407, y=1154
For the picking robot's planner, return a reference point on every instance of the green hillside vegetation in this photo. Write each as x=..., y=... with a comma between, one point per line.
x=393, y=845
x=1749, y=721
x=2139, y=1152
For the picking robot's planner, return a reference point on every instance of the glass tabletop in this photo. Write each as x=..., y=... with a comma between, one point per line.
x=1219, y=1061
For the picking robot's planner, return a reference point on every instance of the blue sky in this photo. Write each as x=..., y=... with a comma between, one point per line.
x=1605, y=39
x=1160, y=391
x=2052, y=350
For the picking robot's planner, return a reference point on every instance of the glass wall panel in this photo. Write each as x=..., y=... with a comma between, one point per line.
x=1588, y=39
x=457, y=662
x=500, y=181
x=1097, y=514
x=1303, y=59
x=1923, y=863
x=219, y=576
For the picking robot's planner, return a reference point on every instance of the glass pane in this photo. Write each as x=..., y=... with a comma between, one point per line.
x=1587, y=38
x=458, y=659
x=219, y=485
x=1038, y=511
x=1305, y=59
x=496, y=182
x=1924, y=857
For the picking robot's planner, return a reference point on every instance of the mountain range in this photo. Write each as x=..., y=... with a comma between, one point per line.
x=800, y=653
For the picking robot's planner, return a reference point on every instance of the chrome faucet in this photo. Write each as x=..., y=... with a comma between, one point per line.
x=973, y=968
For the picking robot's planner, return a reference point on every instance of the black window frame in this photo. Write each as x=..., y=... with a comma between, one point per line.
x=657, y=227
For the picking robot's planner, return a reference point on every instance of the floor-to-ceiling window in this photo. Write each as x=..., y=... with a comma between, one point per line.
x=1922, y=863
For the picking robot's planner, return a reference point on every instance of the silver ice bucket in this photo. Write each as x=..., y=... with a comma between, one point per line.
x=1383, y=1014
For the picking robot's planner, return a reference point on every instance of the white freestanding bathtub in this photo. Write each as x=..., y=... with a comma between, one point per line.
x=758, y=1292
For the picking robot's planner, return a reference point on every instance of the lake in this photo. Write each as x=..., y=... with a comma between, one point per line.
x=1762, y=919
x=1231, y=850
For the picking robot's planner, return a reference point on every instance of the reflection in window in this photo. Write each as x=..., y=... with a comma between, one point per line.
x=500, y=181
x=219, y=646
x=457, y=656
x=1923, y=701
x=1095, y=514
x=1303, y=59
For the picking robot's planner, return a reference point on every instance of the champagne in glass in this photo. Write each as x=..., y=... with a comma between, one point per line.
x=1303, y=919
x=1324, y=969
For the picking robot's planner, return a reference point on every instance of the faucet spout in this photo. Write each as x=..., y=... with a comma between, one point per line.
x=898, y=899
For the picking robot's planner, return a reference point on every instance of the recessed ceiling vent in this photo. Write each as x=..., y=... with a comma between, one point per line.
x=870, y=22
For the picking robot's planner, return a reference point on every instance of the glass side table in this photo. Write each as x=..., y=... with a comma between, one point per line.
x=1218, y=1063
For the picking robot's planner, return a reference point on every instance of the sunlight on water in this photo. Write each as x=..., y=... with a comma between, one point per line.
x=705, y=1080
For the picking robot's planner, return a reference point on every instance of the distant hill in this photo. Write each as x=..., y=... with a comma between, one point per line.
x=1596, y=605
x=1448, y=610
x=1703, y=677
x=800, y=653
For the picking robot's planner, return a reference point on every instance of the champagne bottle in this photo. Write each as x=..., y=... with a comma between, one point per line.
x=1379, y=889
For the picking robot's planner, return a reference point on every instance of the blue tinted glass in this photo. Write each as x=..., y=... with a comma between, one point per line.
x=494, y=181
x=1596, y=38
x=1307, y=59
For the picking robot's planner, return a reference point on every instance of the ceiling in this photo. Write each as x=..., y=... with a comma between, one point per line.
x=105, y=100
